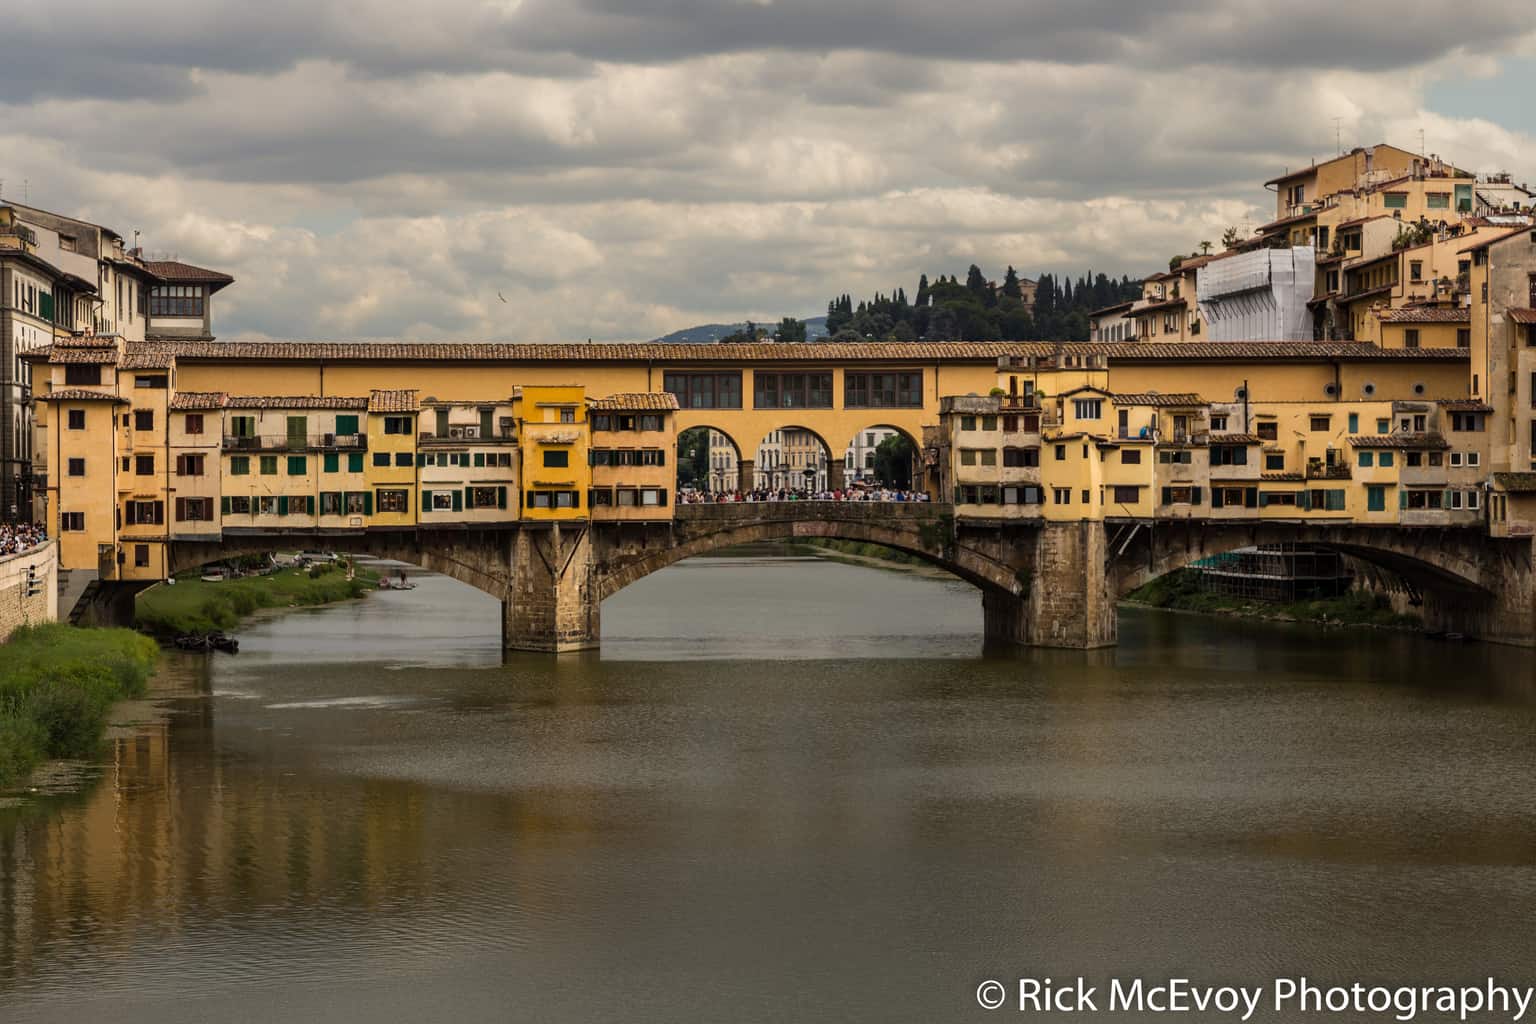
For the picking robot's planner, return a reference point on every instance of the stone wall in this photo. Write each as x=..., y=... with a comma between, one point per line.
x=17, y=608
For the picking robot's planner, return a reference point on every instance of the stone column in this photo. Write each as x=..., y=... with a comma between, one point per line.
x=745, y=471
x=835, y=477
x=1068, y=603
x=553, y=606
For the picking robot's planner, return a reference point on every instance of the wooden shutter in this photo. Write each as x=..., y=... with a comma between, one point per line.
x=224, y=506
x=501, y=497
x=1167, y=495
x=1216, y=498
x=426, y=502
x=282, y=504
x=367, y=503
x=458, y=500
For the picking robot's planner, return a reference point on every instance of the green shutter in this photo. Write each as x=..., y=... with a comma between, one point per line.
x=331, y=462
x=309, y=504
x=468, y=495
x=1251, y=497
x=224, y=506
x=355, y=462
x=421, y=458
x=367, y=503
x=426, y=501
x=458, y=500
x=298, y=465
x=479, y=460
x=346, y=424
x=282, y=504
x=1216, y=498
x=501, y=497
x=1167, y=495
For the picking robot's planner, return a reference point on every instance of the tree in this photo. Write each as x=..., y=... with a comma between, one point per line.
x=749, y=334
x=1205, y=248
x=790, y=331
x=847, y=336
x=1011, y=289
x=893, y=461
x=693, y=457
x=1230, y=238
x=976, y=284
x=922, y=291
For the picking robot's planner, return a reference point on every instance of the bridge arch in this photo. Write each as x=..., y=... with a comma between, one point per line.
x=784, y=454
x=714, y=527
x=858, y=454
x=724, y=456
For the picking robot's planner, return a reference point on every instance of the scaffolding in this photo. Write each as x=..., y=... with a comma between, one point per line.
x=1279, y=573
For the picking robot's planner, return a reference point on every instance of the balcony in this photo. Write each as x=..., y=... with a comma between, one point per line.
x=1317, y=469
x=295, y=442
x=460, y=436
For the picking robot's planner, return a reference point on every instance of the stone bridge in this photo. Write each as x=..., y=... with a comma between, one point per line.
x=1042, y=583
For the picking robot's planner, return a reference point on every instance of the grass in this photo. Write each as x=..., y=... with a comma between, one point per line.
x=1181, y=590
x=194, y=606
x=57, y=683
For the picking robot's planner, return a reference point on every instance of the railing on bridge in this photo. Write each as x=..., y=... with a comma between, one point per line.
x=295, y=442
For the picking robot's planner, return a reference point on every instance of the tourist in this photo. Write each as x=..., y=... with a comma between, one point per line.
x=18, y=537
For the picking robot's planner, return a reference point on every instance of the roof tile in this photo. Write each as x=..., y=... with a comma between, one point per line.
x=392, y=400
x=641, y=401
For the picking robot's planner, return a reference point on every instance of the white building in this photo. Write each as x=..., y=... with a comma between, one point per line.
x=1258, y=296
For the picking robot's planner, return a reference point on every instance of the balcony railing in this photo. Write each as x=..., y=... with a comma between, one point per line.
x=1319, y=470
x=295, y=442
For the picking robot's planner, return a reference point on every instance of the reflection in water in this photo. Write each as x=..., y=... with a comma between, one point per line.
x=783, y=790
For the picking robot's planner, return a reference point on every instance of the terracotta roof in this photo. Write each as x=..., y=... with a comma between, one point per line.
x=1177, y=399
x=86, y=341
x=1518, y=483
x=146, y=360
x=1399, y=440
x=874, y=352
x=1118, y=307
x=1427, y=315
x=1357, y=296
x=1283, y=221
x=397, y=400
x=1235, y=439
x=1153, y=307
x=1464, y=404
x=293, y=402
x=1522, y=316
x=1496, y=238
x=80, y=395
x=1287, y=478
x=193, y=401
x=77, y=355
x=176, y=271
x=1361, y=220
x=636, y=400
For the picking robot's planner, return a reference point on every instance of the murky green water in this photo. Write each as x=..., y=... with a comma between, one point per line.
x=786, y=790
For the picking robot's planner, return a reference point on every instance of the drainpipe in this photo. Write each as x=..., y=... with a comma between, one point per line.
x=1247, y=426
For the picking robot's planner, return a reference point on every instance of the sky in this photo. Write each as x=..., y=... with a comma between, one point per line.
x=557, y=170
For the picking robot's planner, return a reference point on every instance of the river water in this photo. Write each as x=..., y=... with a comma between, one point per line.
x=787, y=789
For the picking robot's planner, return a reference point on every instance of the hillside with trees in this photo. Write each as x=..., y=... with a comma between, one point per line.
x=980, y=310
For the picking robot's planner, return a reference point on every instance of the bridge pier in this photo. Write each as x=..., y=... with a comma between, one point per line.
x=1068, y=602
x=553, y=605
x=746, y=475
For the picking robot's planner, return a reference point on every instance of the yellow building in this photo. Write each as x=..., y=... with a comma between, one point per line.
x=391, y=464
x=469, y=463
x=633, y=441
x=552, y=435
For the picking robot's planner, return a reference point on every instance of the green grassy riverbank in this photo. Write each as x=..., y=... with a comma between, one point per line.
x=192, y=605
x=57, y=683
x=1181, y=591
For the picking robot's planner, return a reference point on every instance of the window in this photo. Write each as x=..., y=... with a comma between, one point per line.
x=883, y=390
x=140, y=556
x=556, y=458
x=330, y=462
x=298, y=465
x=77, y=467
x=193, y=424
x=143, y=419
x=989, y=423
x=1061, y=453
x=1023, y=457
x=1466, y=421
x=1415, y=271
x=1411, y=337
x=1218, y=423
x=358, y=503
x=393, y=500
x=1464, y=337
x=1061, y=495
x=1376, y=499
x=239, y=465
x=1088, y=408
x=1354, y=423
x=1176, y=457
x=1438, y=200
x=194, y=510
x=967, y=422
x=1384, y=460
x=1455, y=458
x=1274, y=461
x=189, y=465
x=968, y=456
x=381, y=458
x=989, y=456
x=143, y=513
x=76, y=418
x=355, y=462
x=1472, y=499
x=1395, y=200
x=402, y=458
x=442, y=501
x=1229, y=455
x=1383, y=426
x=82, y=373
x=397, y=424
x=791, y=390
x=1126, y=495
x=176, y=300
x=1320, y=422
x=242, y=426
x=1268, y=430
x=1414, y=459
x=269, y=465
x=144, y=465
x=1130, y=456
x=266, y=505
x=72, y=522
x=1473, y=458
x=1366, y=458
x=1181, y=495
x=704, y=390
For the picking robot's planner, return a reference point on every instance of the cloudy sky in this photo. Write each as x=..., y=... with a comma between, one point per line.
x=617, y=169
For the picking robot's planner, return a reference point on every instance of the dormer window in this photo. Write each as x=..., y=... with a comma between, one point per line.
x=176, y=300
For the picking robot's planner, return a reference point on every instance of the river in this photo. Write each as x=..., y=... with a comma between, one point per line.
x=787, y=789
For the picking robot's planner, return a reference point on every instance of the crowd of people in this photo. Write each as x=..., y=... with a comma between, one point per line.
x=785, y=494
x=18, y=537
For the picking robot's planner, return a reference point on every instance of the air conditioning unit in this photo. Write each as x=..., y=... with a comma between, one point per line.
x=455, y=431
x=330, y=440
x=472, y=431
